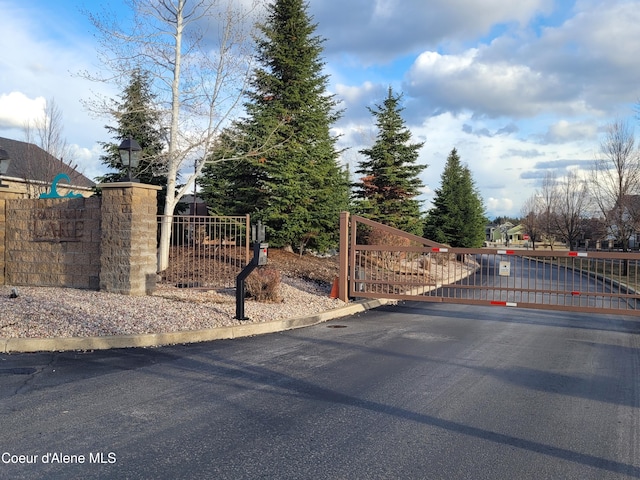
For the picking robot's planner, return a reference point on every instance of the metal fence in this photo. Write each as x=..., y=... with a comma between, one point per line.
x=561, y=280
x=387, y=263
x=207, y=252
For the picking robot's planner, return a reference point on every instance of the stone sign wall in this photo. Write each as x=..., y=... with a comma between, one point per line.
x=106, y=243
x=53, y=242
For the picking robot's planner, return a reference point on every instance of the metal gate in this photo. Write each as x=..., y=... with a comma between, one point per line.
x=378, y=261
x=207, y=252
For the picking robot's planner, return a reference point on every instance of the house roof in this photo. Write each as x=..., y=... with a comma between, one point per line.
x=30, y=162
x=516, y=230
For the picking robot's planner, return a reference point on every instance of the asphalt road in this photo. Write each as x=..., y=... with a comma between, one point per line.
x=414, y=391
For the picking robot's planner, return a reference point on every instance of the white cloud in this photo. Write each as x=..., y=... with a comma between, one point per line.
x=464, y=82
x=501, y=206
x=594, y=53
x=491, y=87
x=564, y=131
x=355, y=94
x=585, y=65
x=16, y=109
x=601, y=31
x=379, y=31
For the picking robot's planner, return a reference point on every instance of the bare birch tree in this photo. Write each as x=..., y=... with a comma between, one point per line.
x=546, y=204
x=197, y=53
x=532, y=213
x=557, y=210
x=571, y=206
x=615, y=182
x=47, y=132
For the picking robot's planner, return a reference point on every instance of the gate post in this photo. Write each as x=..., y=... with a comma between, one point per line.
x=128, y=261
x=343, y=247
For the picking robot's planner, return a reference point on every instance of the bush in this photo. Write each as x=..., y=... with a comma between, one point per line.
x=263, y=285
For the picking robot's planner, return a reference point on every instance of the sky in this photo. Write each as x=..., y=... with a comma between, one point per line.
x=517, y=88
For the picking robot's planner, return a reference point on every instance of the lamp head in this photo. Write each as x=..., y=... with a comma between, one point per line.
x=130, y=152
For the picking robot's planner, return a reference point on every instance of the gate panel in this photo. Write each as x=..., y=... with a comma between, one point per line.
x=207, y=252
x=560, y=280
x=395, y=265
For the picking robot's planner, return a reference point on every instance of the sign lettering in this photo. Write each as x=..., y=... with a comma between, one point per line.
x=53, y=225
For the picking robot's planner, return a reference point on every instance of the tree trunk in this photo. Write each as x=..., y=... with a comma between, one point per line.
x=172, y=173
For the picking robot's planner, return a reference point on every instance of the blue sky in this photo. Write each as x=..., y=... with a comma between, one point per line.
x=518, y=88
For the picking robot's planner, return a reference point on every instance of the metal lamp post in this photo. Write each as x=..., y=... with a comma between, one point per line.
x=130, y=156
x=4, y=165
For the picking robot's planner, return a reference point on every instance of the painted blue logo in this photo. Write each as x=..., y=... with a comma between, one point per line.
x=54, y=188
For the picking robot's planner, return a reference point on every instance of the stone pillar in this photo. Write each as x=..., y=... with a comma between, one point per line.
x=128, y=260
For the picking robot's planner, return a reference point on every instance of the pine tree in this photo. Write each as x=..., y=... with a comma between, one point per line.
x=137, y=119
x=295, y=185
x=390, y=184
x=230, y=185
x=457, y=217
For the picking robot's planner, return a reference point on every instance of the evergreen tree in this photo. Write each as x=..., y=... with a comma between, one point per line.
x=231, y=182
x=295, y=185
x=137, y=119
x=457, y=217
x=390, y=184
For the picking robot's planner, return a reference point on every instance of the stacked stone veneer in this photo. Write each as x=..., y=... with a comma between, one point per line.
x=106, y=243
x=53, y=242
x=128, y=256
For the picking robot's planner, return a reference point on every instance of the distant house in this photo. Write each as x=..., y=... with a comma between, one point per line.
x=516, y=235
x=506, y=234
x=489, y=232
x=499, y=233
x=629, y=215
x=31, y=170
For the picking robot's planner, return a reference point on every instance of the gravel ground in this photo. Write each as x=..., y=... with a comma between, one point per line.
x=42, y=312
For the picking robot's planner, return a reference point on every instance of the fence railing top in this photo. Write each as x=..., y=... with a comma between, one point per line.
x=395, y=231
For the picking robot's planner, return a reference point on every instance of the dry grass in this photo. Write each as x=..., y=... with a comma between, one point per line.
x=263, y=285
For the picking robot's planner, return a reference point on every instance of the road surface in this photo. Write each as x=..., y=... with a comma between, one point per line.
x=414, y=391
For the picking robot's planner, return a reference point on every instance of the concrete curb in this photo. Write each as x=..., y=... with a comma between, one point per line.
x=30, y=345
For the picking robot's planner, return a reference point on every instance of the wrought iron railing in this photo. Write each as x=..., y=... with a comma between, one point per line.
x=207, y=251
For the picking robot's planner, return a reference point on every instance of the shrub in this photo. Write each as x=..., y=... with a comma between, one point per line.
x=263, y=285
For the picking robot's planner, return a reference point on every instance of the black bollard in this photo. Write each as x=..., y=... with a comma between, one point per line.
x=259, y=258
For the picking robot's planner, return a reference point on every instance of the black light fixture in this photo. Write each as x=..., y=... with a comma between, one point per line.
x=4, y=165
x=130, y=156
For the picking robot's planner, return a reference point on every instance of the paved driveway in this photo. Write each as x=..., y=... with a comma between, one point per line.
x=411, y=391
